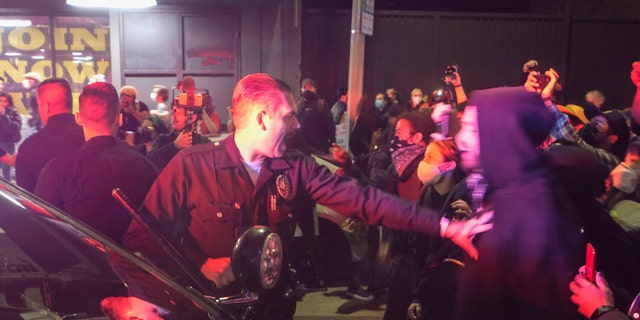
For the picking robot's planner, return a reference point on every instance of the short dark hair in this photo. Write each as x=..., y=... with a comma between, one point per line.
x=62, y=84
x=99, y=103
x=9, y=98
x=341, y=91
x=634, y=147
x=420, y=122
x=162, y=92
x=618, y=126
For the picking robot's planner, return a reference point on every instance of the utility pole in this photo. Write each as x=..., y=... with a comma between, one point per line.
x=361, y=25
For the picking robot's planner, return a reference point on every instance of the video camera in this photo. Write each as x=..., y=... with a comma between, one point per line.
x=193, y=102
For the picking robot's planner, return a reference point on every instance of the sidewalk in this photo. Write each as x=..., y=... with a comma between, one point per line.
x=334, y=304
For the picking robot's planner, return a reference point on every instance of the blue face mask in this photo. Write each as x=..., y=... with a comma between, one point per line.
x=379, y=104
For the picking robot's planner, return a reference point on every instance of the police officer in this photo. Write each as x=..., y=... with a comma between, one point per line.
x=209, y=193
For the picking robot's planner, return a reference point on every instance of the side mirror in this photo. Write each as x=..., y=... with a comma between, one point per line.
x=257, y=259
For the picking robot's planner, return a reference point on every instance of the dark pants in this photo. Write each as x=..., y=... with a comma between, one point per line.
x=8, y=147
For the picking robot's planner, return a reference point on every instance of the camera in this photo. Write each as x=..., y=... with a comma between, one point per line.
x=543, y=80
x=439, y=95
x=450, y=72
x=192, y=101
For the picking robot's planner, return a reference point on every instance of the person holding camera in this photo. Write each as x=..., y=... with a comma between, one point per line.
x=132, y=113
x=452, y=79
x=167, y=145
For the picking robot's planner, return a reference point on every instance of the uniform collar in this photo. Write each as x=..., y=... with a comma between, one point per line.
x=232, y=157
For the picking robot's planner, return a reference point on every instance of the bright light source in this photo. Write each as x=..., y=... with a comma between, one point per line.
x=37, y=57
x=121, y=4
x=13, y=54
x=15, y=23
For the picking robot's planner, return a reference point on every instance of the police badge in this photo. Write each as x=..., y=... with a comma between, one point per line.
x=283, y=186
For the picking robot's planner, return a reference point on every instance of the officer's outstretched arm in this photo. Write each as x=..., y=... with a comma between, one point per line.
x=462, y=232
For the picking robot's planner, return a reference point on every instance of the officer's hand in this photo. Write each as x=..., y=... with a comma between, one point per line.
x=339, y=154
x=462, y=232
x=219, y=271
x=184, y=139
x=415, y=311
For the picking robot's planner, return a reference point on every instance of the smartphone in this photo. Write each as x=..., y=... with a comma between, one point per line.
x=590, y=263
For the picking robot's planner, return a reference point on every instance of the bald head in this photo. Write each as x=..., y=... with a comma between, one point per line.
x=54, y=97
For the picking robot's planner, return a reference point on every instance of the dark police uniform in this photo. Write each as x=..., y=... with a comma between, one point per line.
x=205, y=198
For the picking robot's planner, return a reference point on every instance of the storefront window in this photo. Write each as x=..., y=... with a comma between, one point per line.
x=77, y=49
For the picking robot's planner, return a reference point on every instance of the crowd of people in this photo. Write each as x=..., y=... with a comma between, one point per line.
x=556, y=177
x=434, y=174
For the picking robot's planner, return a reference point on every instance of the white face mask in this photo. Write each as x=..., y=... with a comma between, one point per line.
x=624, y=178
x=431, y=174
x=153, y=96
x=416, y=100
x=26, y=84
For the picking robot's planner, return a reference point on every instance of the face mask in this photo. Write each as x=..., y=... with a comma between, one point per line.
x=431, y=174
x=379, y=104
x=153, y=96
x=397, y=144
x=403, y=152
x=416, y=100
x=624, y=178
x=26, y=84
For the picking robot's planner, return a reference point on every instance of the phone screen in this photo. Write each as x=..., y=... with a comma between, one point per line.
x=590, y=265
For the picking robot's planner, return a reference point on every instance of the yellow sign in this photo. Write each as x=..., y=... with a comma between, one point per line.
x=79, y=53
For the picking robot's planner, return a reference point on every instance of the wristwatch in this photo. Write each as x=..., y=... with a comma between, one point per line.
x=600, y=311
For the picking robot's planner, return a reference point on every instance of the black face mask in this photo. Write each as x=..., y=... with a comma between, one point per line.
x=403, y=152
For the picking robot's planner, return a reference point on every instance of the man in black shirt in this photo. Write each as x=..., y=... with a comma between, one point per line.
x=81, y=182
x=60, y=135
